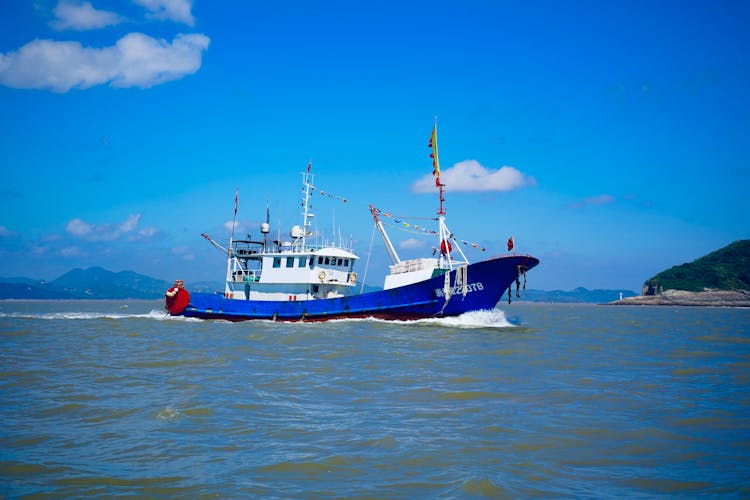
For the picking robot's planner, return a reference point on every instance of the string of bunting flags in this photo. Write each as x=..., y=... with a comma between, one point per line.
x=397, y=220
x=323, y=193
x=328, y=195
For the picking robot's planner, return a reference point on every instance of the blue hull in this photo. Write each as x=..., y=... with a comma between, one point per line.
x=486, y=283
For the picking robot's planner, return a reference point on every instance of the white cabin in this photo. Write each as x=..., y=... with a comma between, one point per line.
x=293, y=271
x=305, y=274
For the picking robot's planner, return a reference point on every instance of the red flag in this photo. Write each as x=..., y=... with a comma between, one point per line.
x=308, y=166
x=510, y=243
x=236, y=199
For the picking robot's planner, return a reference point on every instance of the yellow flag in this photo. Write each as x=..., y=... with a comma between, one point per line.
x=434, y=155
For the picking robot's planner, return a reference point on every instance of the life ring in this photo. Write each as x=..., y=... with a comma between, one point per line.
x=352, y=278
x=322, y=275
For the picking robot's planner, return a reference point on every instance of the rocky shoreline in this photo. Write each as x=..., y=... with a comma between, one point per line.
x=715, y=298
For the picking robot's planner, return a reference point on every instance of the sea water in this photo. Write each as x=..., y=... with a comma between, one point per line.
x=579, y=401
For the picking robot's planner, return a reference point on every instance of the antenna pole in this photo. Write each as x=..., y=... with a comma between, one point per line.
x=441, y=211
x=230, y=251
x=307, y=181
x=268, y=224
x=234, y=221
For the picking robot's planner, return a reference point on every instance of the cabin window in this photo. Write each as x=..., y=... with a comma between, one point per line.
x=320, y=260
x=302, y=262
x=346, y=262
x=277, y=262
x=340, y=262
x=312, y=262
x=290, y=262
x=328, y=261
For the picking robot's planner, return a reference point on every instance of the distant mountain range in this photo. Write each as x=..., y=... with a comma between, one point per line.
x=579, y=295
x=92, y=283
x=99, y=283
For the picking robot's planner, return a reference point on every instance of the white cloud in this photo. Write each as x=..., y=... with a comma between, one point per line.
x=71, y=252
x=601, y=199
x=174, y=10
x=411, y=243
x=240, y=227
x=82, y=16
x=130, y=223
x=183, y=252
x=102, y=232
x=143, y=234
x=470, y=175
x=77, y=227
x=6, y=233
x=147, y=232
x=136, y=60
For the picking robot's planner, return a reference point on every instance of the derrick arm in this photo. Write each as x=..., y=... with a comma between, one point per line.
x=215, y=244
x=386, y=240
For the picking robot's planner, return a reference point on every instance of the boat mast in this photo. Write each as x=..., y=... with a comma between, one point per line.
x=265, y=228
x=230, y=250
x=307, y=180
x=445, y=236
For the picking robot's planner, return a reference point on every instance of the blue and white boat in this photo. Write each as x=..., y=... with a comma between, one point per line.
x=301, y=280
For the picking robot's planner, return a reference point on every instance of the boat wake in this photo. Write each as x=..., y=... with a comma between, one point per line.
x=487, y=318
x=493, y=318
x=153, y=315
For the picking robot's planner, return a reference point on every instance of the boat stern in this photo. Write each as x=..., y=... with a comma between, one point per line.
x=177, y=298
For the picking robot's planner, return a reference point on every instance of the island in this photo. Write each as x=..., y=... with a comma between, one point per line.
x=720, y=278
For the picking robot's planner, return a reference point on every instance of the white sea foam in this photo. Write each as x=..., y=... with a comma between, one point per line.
x=153, y=315
x=492, y=318
x=487, y=318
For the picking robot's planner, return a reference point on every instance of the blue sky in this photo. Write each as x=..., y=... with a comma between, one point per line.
x=610, y=139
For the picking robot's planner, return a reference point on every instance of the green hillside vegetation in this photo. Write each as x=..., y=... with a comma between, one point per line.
x=725, y=269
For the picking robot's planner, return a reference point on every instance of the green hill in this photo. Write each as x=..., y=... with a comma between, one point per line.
x=725, y=269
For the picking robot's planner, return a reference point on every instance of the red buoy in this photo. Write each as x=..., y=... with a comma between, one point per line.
x=177, y=298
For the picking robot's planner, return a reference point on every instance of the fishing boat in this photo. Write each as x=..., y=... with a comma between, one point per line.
x=305, y=279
